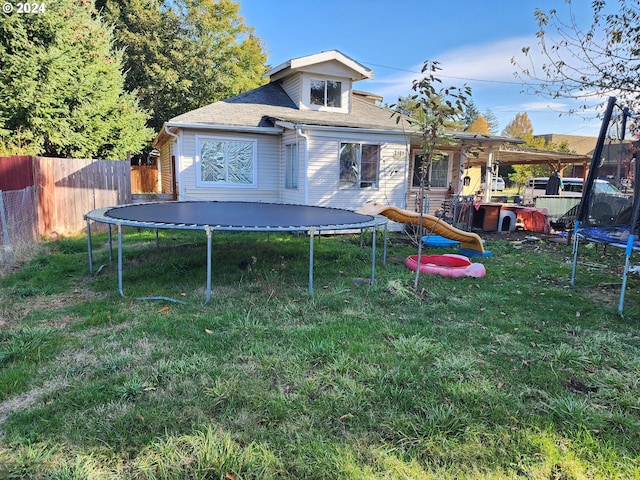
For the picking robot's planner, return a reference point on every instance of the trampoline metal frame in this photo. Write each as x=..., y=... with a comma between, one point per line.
x=100, y=216
x=582, y=233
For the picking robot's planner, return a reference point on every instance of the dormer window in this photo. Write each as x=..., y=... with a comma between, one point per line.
x=326, y=93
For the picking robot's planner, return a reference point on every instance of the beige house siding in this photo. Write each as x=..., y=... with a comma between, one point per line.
x=267, y=178
x=324, y=170
x=292, y=86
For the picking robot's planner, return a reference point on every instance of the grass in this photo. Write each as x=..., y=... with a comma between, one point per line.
x=514, y=375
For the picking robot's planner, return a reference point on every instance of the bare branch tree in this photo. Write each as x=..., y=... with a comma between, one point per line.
x=586, y=63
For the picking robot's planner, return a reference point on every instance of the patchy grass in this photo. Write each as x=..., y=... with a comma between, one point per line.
x=512, y=375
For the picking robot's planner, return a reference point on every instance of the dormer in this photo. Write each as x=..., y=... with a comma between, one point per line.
x=322, y=82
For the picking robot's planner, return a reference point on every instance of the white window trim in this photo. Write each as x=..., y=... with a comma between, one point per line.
x=200, y=139
x=357, y=185
x=295, y=174
x=449, y=157
x=345, y=94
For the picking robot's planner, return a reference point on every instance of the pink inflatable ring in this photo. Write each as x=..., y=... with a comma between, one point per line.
x=447, y=265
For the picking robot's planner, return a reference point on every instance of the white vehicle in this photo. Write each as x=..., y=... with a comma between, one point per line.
x=497, y=184
x=537, y=187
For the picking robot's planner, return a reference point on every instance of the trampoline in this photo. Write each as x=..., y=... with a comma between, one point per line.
x=210, y=216
x=608, y=218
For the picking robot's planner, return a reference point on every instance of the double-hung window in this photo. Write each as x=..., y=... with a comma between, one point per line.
x=326, y=93
x=226, y=162
x=359, y=165
x=291, y=166
x=436, y=174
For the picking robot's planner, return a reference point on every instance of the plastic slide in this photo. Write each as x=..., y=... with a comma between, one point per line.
x=468, y=240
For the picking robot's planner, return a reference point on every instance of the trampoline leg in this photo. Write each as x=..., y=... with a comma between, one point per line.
x=384, y=247
x=209, y=241
x=157, y=239
x=110, y=246
x=312, y=234
x=120, y=260
x=373, y=256
x=575, y=254
x=89, y=248
x=627, y=260
x=361, y=238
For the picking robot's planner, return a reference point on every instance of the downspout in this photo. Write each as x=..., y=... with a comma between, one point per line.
x=306, y=164
x=177, y=163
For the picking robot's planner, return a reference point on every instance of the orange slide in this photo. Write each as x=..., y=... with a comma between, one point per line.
x=468, y=240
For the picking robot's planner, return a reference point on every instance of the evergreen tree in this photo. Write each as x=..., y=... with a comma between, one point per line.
x=471, y=113
x=61, y=86
x=184, y=54
x=492, y=122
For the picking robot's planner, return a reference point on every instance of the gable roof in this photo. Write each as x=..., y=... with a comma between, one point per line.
x=355, y=70
x=265, y=105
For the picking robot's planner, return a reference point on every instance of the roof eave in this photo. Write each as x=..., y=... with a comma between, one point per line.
x=231, y=128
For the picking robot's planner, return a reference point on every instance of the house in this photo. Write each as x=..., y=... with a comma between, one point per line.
x=308, y=136
x=305, y=137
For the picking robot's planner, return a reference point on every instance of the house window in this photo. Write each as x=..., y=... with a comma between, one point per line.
x=437, y=174
x=291, y=166
x=326, y=93
x=226, y=161
x=359, y=165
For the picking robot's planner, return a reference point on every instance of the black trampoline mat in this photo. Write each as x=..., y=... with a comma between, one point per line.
x=238, y=215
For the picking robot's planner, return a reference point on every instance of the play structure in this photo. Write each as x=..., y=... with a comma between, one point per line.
x=612, y=220
x=467, y=240
x=231, y=216
x=447, y=265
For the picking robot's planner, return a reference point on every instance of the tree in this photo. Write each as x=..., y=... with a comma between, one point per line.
x=588, y=62
x=433, y=111
x=520, y=127
x=479, y=125
x=61, y=86
x=492, y=121
x=184, y=54
x=471, y=114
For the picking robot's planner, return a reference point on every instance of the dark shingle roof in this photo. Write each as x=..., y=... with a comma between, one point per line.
x=262, y=106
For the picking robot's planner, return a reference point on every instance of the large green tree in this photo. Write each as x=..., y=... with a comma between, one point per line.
x=586, y=61
x=183, y=54
x=61, y=86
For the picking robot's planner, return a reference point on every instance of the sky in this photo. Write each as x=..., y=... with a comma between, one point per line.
x=474, y=42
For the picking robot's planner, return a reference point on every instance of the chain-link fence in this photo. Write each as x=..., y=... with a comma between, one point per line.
x=18, y=225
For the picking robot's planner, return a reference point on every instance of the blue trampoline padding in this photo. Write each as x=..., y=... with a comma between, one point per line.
x=438, y=241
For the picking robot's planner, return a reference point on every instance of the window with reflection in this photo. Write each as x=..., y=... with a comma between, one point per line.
x=359, y=165
x=227, y=162
x=326, y=93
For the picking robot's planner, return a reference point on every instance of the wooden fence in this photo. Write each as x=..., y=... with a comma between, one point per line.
x=144, y=179
x=68, y=188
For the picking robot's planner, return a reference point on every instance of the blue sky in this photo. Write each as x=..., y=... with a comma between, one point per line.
x=474, y=41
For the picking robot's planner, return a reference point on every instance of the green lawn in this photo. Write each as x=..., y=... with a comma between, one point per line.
x=514, y=375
